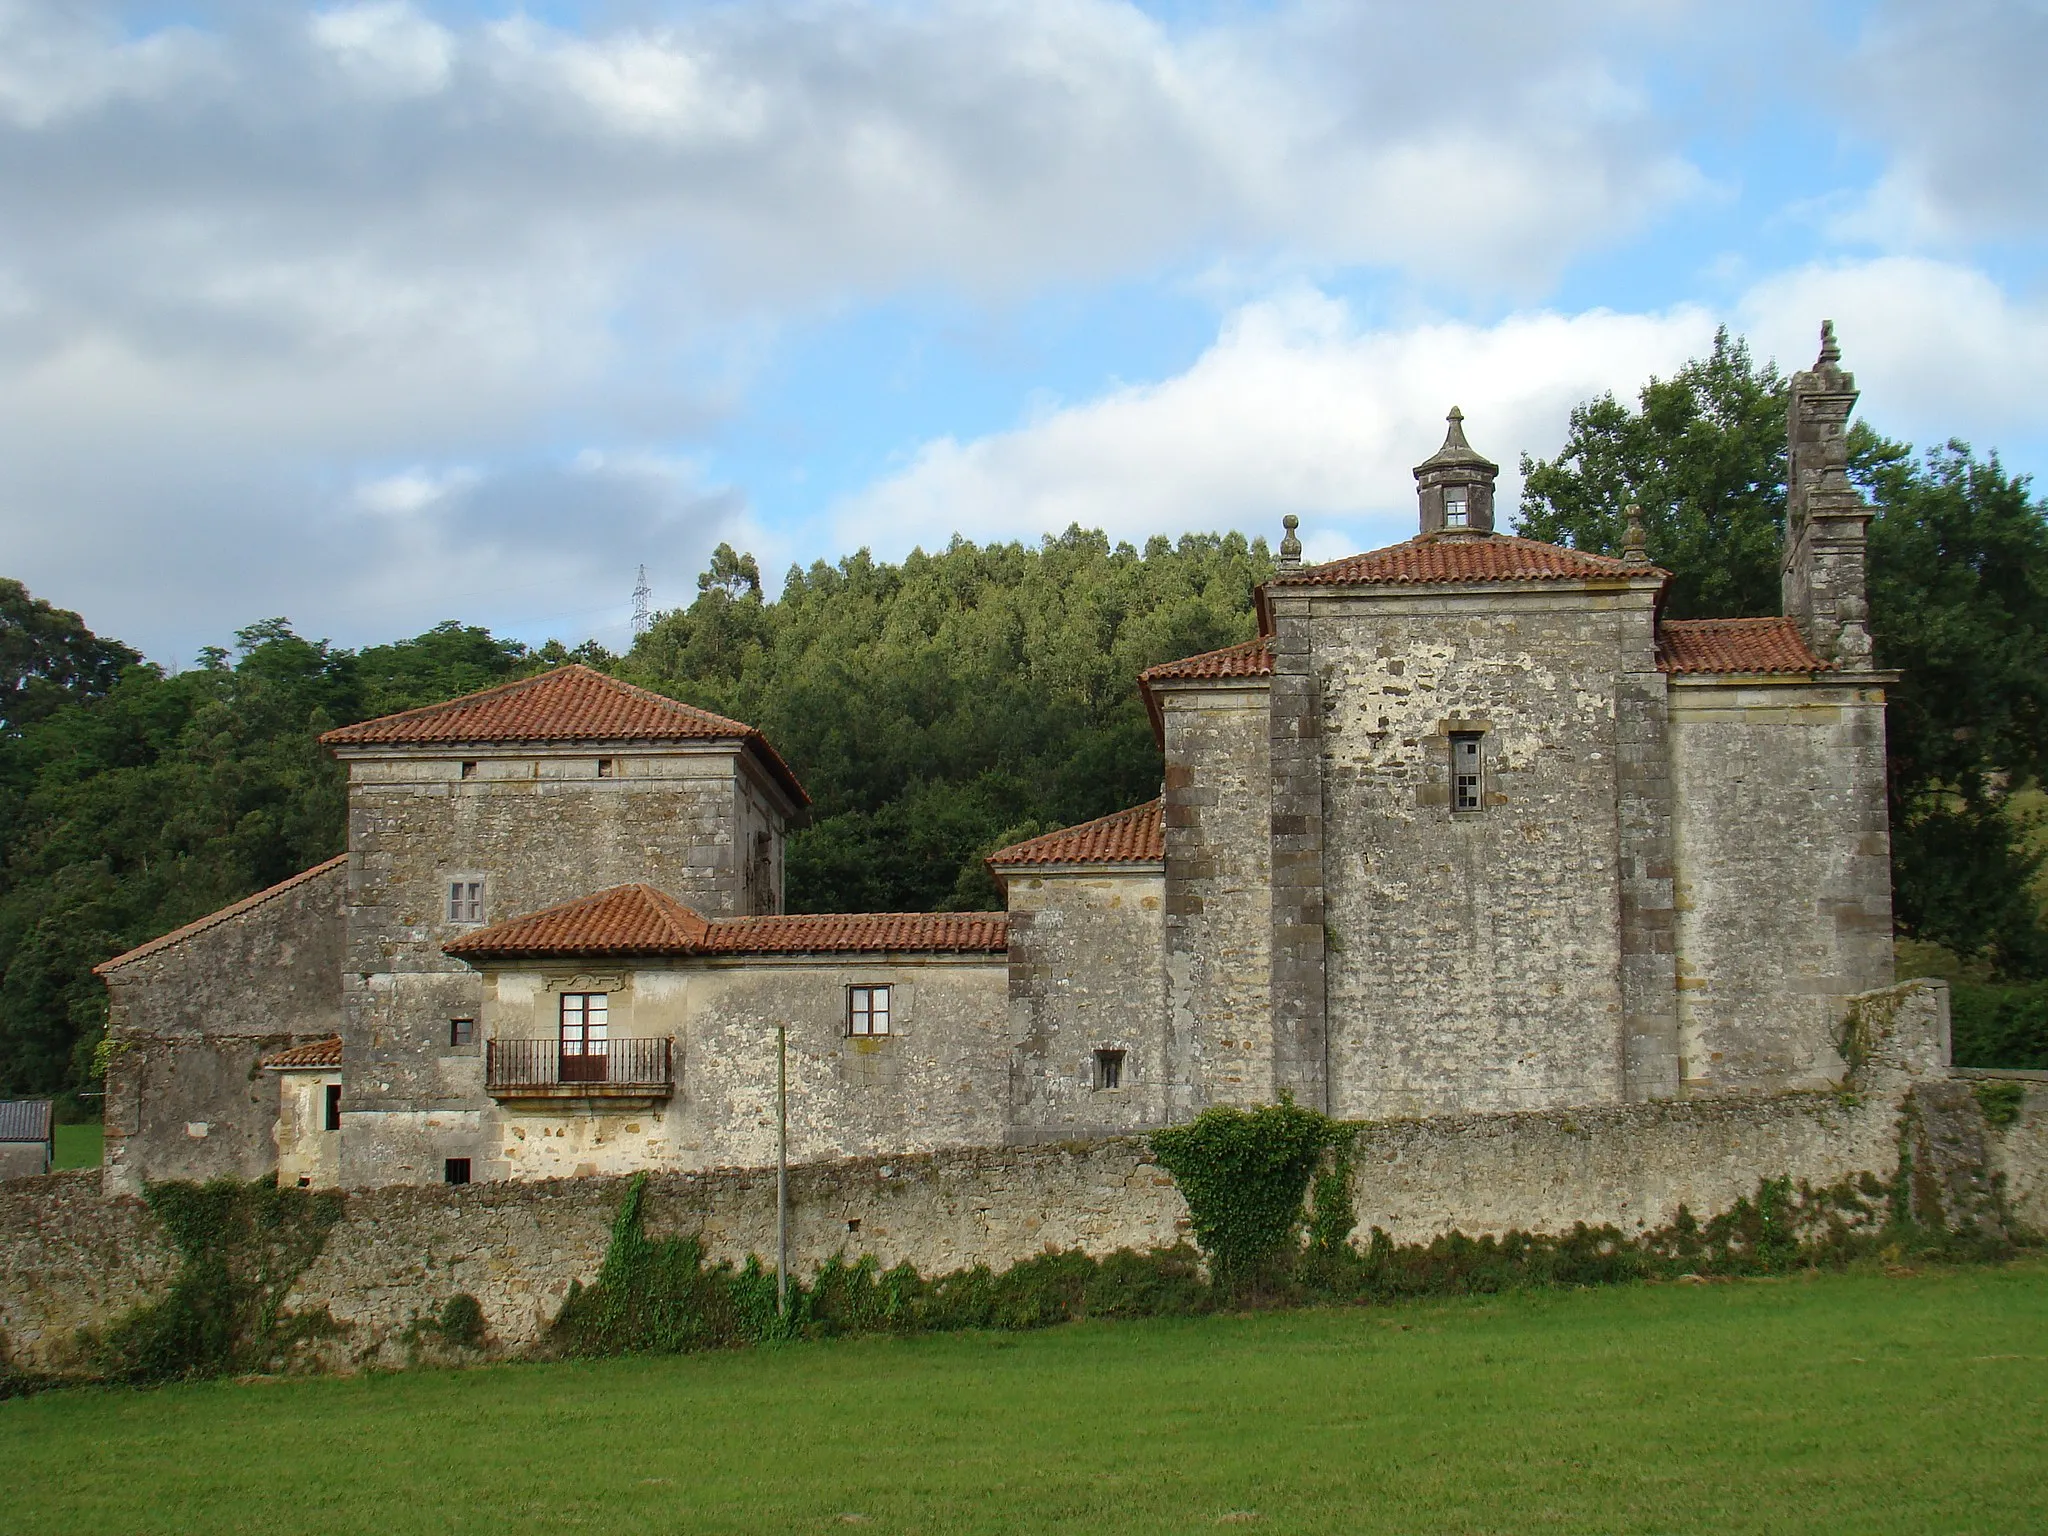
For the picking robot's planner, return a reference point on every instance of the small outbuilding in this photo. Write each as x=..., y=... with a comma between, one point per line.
x=28, y=1137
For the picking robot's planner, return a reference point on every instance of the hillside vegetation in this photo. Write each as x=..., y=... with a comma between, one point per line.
x=940, y=707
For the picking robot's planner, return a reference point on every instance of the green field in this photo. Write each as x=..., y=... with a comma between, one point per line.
x=1860, y=1403
x=79, y=1146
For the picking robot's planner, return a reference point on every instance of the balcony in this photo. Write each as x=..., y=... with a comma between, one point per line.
x=612, y=1069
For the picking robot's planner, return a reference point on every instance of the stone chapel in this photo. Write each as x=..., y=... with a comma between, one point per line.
x=1470, y=825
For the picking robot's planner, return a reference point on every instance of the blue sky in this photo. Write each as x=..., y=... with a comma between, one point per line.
x=372, y=315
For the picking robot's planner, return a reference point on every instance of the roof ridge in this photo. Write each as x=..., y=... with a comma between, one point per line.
x=212, y=919
x=551, y=674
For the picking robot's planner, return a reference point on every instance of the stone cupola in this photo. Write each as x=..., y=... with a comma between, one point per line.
x=1455, y=485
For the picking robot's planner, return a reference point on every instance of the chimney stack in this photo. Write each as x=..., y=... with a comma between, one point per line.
x=1825, y=515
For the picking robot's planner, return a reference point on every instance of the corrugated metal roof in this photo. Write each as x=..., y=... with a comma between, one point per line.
x=25, y=1120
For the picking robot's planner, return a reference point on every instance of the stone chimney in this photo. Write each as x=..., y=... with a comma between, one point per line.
x=1455, y=486
x=1825, y=515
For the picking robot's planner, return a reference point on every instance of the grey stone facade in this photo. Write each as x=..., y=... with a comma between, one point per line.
x=1471, y=828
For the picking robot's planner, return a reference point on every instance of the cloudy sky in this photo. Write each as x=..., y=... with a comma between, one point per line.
x=377, y=314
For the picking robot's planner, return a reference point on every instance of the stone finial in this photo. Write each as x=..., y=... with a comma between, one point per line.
x=1290, y=546
x=1830, y=349
x=1635, y=543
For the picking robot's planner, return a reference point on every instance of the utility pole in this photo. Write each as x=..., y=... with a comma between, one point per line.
x=643, y=615
x=782, y=1170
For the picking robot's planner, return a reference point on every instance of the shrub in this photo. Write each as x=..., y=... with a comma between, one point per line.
x=1243, y=1174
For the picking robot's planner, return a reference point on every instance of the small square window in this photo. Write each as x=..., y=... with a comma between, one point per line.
x=867, y=1011
x=1455, y=514
x=1467, y=772
x=455, y=1171
x=1109, y=1069
x=465, y=901
x=332, y=1119
x=462, y=1031
x=606, y=768
x=469, y=770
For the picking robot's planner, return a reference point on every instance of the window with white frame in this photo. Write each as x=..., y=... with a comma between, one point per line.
x=1468, y=772
x=1455, y=511
x=867, y=1011
x=465, y=901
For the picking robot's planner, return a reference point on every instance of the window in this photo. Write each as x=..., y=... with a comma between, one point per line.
x=867, y=1011
x=465, y=901
x=586, y=1036
x=332, y=1121
x=469, y=770
x=1454, y=507
x=606, y=768
x=1466, y=772
x=462, y=1031
x=455, y=1170
x=1109, y=1069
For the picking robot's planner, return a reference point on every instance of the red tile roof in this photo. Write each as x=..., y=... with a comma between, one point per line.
x=1254, y=658
x=1126, y=837
x=319, y=1053
x=212, y=919
x=1734, y=645
x=1441, y=559
x=639, y=920
x=571, y=703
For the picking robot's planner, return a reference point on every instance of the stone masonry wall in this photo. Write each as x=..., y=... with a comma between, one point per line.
x=1086, y=973
x=185, y=1096
x=1218, y=896
x=1475, y=959
x=1784, y=875
x=536, y=829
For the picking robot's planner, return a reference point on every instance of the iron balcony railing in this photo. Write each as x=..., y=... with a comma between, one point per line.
x=543, y=1067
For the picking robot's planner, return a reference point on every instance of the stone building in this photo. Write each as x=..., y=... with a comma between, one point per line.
x=1469, y=826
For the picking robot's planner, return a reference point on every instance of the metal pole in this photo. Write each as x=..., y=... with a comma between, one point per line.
x=782, y=1170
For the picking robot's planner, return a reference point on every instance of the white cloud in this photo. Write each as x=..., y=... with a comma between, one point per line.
x=1297, y=408
x=388, y=46
x=1294, y=409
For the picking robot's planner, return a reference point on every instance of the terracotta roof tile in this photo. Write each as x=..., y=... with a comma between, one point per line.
x=1441, y=559
x=1127, y=837
x=318, y=1053
x=246, y=904
x=1254, y=658
x=1735, y=645
x=639, y=920
x=625, y=920
x=571, y=703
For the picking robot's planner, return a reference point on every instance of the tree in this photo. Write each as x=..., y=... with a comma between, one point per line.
x=1958, y=575
x=49, y=658
x=1703, y=456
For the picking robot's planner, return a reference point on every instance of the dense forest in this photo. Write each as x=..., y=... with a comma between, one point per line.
x=941, y=707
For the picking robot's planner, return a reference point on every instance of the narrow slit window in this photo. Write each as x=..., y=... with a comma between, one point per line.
x=1454, y=507
x=462, y=1031
x=1468, y=773
x=332, y=1119
x=867, y=1011
x=465, y=901
x=455, y=1170
x=1109, y=1069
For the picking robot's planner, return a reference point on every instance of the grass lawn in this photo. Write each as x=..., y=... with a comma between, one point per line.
x=1844, y=1403
x=80, y=1146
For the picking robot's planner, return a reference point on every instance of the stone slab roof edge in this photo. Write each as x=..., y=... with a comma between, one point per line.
x=214, y=919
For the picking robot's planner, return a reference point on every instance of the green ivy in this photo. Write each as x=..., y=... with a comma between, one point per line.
x=240, y=1248
x=2001, y=1102
x=1243, y=1174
